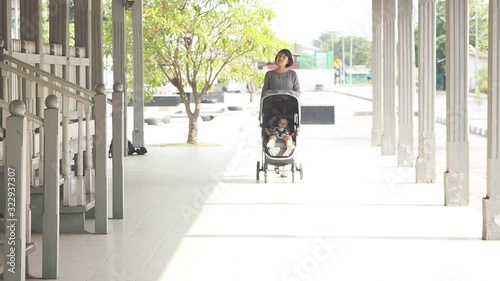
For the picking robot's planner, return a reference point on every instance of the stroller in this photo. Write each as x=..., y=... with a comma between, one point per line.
x=273, y=106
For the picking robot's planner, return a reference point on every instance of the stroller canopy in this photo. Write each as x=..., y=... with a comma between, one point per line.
x=279, y=104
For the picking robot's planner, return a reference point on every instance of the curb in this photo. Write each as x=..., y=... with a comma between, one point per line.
x=472, y=129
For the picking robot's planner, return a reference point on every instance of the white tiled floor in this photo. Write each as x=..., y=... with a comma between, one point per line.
x=197, y=214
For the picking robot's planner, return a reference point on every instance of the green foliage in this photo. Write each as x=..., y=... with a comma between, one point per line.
x=478, y=9
x=482, y=80
x=191, y=44
x=361, y=47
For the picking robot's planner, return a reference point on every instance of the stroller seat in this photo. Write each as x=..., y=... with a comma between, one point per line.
x=279, y=149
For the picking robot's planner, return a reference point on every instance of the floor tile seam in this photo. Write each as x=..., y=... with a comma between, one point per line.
x=161, y=243
x=121, y=243
x=179, y=218
x=340, y=237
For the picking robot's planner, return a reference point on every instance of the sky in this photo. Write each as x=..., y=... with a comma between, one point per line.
x=301, y=21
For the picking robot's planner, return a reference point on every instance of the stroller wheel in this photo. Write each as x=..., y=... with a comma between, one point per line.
x=265, y=172
x=301, y=169
x=258, y=171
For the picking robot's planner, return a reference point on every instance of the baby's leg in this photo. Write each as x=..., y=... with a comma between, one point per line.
x=272, y=140
x=289, y=142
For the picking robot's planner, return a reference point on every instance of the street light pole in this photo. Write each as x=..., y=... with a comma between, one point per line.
x=477, y=50
x=342, y=78
x=333, y=61
x=350, y=64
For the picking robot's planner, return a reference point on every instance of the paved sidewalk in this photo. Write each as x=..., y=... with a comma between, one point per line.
x=477, y=107
x=477, y=138
x=197, y=213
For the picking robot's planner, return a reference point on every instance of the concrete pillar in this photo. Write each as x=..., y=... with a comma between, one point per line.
x=491, y=203
x=31, y=22
x=120, y=49
x=456, y=177
x=82, y=41
x=426, y=159
x=137, y=30
x=5, y=46
x=6, y=24
x=389, y=84
x=15, y=157
x=118, y=151
x=3, y=78
x=96, y=62
x=406, y=83
x=59, y=24
x=59, y=34
x=31, y=30
x=377, y=86
x=51, y=201
x=83, y=30
x=101, y=166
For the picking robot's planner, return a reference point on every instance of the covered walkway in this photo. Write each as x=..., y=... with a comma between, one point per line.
x=198, y=213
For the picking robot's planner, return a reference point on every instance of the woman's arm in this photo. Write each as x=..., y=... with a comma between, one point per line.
x=266, y=86
x=295, y=81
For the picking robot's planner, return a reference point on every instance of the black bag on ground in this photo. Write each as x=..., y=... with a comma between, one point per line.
x=131, y=149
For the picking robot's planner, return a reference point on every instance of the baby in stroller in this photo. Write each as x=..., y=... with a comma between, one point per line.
x=281, y=132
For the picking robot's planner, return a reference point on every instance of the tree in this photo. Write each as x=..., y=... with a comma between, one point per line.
x=193, y=43
x=190, y=44
x=361, y=47
x=478, y=16
x=477, y=8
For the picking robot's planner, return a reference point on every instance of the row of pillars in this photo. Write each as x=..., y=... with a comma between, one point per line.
x=17, y=185
x=456, y=177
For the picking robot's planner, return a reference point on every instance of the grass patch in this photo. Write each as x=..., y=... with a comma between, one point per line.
x=190, y=145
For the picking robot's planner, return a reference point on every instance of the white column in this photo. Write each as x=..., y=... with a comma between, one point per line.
x=406, y=83
x=456, y=177
x=137, y=30
x=389, y=84
x=377, y=53
x=83, y=30
x=426, y=160
x=120, y=50
x=96, y=63
x=491, y=203
x=118, y=151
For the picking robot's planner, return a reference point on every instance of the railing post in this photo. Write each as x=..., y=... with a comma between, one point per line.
x=80, y=183
x=2, y=83
x=101, y=162
x=89, y=169
x=51, y=185
x=118, y=150
x=66, y=157
x=16, y=191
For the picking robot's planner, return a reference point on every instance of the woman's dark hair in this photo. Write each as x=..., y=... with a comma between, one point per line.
x=287, y=53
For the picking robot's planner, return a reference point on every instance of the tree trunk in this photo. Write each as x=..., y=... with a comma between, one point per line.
x=193, y=130
x=193, y=116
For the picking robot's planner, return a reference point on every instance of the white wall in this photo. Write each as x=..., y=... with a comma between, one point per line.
x=481, y=63
x=309, y=78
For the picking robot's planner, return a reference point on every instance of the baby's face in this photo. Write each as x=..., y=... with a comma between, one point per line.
x=282, y=123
